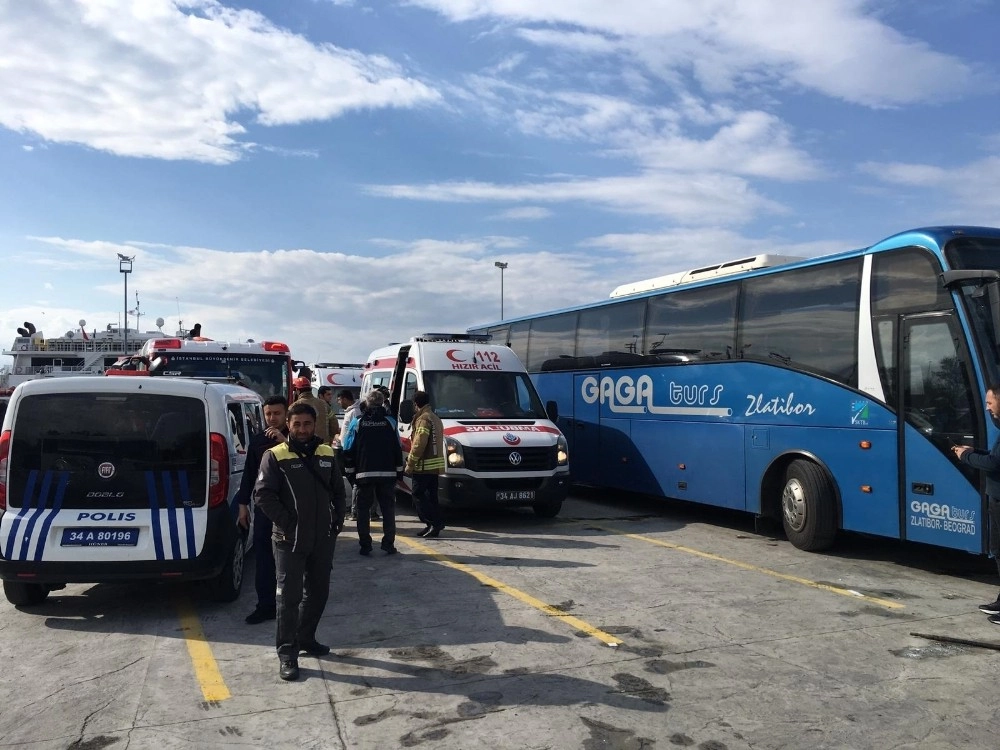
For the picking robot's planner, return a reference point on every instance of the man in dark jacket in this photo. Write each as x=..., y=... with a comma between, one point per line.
x=275, y=431
x=300, y=489
x=989, y=463
x=374, y=458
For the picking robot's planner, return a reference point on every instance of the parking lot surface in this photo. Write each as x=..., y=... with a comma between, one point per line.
x=624, y=623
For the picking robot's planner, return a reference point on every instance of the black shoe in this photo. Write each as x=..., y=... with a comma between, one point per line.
x=434, y=533
x=994, y=619
x=425, y=532
x=289, y=669
x=314, y=648
x=390, y=550
x=376, y=517
x=263, y=613
x=366, y=551
x=993, y=608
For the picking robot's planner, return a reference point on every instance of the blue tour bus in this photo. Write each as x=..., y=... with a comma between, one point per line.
x=826, y=392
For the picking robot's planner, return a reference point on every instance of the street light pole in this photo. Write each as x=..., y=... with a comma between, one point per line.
x=125, y=267
x=502, y=267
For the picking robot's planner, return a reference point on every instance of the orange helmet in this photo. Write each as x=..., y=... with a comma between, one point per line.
x=301, y=384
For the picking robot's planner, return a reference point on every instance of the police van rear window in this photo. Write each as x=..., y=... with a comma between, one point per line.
x=96, y=450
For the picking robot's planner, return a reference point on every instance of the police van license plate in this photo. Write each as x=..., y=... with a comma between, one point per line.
x=515, y=496
x=100, y=537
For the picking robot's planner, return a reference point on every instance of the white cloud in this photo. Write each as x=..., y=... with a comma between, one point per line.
x=176, y=79
x=525, y=213
x=963, y=194
x=712, y=198
x=830, y=46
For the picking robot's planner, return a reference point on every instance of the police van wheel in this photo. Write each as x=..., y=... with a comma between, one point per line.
x=25, y=594
x=808, y=506
x=227, y=585
x=547, y=510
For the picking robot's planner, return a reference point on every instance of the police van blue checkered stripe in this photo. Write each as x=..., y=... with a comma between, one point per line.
x=56, y=507
x=25, y=509
x=169, y=504
x=43, y=496
x=34, y=515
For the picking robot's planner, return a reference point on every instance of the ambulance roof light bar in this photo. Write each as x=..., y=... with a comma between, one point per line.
x=476, y=338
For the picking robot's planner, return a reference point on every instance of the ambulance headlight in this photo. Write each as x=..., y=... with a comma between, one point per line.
x=453, y=450
x=562, y=451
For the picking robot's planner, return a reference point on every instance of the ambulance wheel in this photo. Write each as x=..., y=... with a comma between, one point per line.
x=227, y=585
x=547, y=510
x=808, y=506
x=24, y=594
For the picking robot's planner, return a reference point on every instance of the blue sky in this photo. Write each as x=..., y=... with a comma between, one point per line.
x=338, y=174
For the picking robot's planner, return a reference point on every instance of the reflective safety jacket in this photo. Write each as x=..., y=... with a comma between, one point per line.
x=303, y=494
x=427, y=449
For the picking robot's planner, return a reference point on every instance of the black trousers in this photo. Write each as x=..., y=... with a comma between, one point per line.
x=264, y=580
x=993, y=509
x=303, y=586
x=425, y=497
x=384, y=493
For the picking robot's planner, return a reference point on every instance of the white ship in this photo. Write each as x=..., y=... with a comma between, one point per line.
x=73, y=353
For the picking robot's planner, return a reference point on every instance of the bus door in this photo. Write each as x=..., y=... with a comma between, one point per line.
x=937, y=407
x=583, y=434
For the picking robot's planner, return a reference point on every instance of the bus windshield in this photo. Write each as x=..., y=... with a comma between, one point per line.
x=483, y=395
x=969, y=253
x=265, y=374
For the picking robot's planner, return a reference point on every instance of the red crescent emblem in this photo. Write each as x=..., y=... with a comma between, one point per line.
x=330, y=380
x=450, y=354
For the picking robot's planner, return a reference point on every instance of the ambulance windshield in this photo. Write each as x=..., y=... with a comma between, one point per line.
x=483, y=395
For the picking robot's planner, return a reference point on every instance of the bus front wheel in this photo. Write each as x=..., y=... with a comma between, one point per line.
x=808, y=506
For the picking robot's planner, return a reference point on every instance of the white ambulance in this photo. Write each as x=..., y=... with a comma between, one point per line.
x=502, y=448
x=337, y=375
x=116, y=478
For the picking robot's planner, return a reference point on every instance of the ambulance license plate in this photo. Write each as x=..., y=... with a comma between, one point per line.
x=515, y=496
x=100, y=537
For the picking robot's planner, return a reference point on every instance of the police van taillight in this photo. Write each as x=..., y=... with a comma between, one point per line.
x=218, y=471
x=4, y=453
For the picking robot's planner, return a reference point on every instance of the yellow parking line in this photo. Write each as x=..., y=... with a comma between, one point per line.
x=757, y=569
x=573, y=622
x=206, y=671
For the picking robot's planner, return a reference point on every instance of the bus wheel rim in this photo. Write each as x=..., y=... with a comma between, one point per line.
x=793, y=504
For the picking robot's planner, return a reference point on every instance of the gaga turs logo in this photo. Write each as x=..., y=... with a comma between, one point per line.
x=106, y=470
x=511, y=439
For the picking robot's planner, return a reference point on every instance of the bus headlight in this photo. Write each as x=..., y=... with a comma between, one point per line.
x=453, y=449
x=562, y=451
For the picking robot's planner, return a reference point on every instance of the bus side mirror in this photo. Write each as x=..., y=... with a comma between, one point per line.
x=406, y=411
x=552, y=409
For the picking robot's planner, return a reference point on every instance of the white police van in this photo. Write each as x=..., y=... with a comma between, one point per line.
x=502, y=447
x=116, y=478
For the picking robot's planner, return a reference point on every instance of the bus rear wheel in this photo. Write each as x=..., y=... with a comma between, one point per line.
x=808, y=506
x=24, y=594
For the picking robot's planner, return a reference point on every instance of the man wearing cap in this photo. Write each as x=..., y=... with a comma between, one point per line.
x=304, y=395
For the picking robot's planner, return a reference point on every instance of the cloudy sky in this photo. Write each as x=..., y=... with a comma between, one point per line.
x=338, y=174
